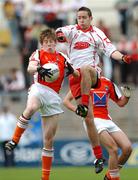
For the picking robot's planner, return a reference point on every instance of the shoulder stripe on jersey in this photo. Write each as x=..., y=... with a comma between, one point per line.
x=38, y=54
x=114, y=87
x=94, y=44
x=101, y=39
x=33, y=60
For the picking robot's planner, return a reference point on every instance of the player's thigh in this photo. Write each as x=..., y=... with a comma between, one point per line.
x=107, y=140
x=121, y=139
x=93, y=74
x=33, y=103
x=87, y=70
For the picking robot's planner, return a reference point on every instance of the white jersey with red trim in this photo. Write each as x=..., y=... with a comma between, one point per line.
x=84, y=46
x=35, y=57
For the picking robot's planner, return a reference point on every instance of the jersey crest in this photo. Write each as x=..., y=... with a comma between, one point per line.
x=99, y=99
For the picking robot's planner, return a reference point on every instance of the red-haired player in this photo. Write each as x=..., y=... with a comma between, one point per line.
x=44, y=96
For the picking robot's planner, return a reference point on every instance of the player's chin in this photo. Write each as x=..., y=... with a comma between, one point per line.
x=51, y=50
x=82, y=25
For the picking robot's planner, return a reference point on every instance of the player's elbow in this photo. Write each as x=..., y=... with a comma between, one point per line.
x=29, y=69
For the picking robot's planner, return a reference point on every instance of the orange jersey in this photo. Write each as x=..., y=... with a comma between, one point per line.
x=44, y=57
x=101, y=95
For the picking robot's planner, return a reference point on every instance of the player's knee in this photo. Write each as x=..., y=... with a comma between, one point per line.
x=127, y=150
x=87, y=69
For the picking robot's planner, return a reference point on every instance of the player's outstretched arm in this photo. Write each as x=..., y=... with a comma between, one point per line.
x=126, y=90
x=79, y=110
x=121, y=57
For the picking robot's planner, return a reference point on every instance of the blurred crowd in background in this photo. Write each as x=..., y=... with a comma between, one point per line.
x=26, y=20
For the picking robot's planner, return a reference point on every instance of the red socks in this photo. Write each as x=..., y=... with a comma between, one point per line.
x=97, y=152
x=22, y=125
x=47, y=156
x=17, y=134
x=113, y=174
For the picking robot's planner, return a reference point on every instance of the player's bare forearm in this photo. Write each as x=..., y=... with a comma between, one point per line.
x=68, y=102
x=70, y=106
x=121, y=57
x=117, y=55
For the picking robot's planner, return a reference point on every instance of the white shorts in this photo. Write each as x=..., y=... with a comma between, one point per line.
x=105, y=125
x=50, y=100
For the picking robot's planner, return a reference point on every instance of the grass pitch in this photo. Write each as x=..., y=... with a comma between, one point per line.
x=63, y=173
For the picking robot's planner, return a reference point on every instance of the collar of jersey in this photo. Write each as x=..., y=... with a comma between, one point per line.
x=49, y=53
x=86, y=30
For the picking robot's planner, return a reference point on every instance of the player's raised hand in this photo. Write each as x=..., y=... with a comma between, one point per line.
x=126, y=91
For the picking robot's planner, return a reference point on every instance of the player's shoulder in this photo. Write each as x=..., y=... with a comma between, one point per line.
x=34, y=55
x=62, y=56
x=103, y=78
x=36, y=51
x=68, y=27
x=95, y=28
x=71, y=27
x=106, y=81
x=98, y=31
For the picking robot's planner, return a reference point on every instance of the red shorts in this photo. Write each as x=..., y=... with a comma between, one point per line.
x=75, y=85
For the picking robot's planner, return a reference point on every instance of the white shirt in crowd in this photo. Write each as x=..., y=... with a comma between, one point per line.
x=7, y=125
